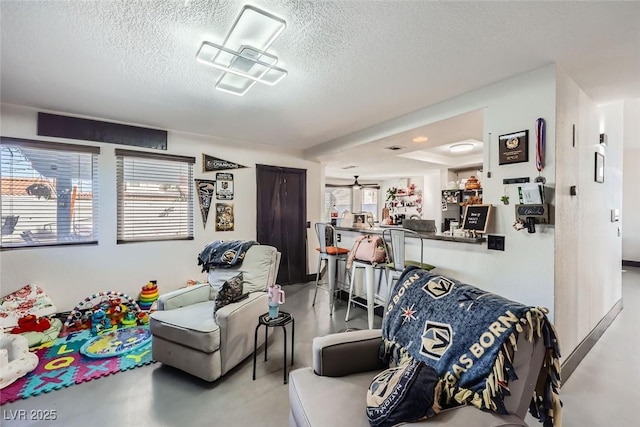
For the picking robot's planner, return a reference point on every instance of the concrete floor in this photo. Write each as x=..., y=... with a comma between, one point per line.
x=602, y=391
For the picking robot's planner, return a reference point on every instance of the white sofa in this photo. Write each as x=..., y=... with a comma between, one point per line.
x=185, y=333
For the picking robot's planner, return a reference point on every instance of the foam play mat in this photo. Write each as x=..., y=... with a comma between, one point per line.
x=62, y=363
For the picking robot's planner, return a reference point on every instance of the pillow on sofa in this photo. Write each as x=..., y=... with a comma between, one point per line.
x=231, y=290
x=217, y=277
x=402, y=394
x=258, y=267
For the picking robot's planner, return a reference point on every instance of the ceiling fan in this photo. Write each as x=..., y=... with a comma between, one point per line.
x=357, y=185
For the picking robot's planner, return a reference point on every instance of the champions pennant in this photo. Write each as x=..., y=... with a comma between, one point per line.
x=210, y=164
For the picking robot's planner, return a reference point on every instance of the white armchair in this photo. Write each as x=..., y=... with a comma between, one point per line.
x=187, y=336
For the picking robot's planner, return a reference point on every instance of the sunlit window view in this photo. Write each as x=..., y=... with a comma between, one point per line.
x=49, y=193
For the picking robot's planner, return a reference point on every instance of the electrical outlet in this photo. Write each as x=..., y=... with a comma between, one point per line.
x=495, y=242
x=339, y=237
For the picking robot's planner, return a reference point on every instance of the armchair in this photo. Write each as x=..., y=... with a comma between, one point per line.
x=344, y=364
x=187, y=336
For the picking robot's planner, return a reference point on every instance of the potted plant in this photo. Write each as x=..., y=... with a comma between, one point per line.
x=391, y=194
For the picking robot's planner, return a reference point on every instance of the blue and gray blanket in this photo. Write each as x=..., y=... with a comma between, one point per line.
x=224, y=253
x=468, y=336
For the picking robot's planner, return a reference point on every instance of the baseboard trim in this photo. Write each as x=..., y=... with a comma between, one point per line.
x=571, y=363
x=631, y=263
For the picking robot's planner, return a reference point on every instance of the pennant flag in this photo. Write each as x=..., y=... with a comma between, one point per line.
x=206, y=189
x=210, y=164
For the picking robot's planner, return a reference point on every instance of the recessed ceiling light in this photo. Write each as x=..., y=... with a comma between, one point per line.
x=461, y=148
x=420, y=139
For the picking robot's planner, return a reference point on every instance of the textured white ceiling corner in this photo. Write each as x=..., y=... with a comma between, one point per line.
x=351, y=65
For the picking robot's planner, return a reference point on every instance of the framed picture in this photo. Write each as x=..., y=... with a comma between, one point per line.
x=599, y=168
x=513, y=147
x=224, y=217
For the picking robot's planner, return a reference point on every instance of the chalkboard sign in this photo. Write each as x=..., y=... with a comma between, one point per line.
x=476, y=218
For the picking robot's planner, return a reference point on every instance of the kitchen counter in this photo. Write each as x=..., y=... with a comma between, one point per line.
x=430, y=236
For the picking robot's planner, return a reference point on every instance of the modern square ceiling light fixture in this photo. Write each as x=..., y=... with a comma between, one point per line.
x=243, y=55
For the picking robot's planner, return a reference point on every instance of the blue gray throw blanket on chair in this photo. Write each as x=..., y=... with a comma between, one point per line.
x=224, y=253
x=468, y=336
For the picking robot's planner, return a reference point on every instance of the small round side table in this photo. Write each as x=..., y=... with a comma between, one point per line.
x=282, y=320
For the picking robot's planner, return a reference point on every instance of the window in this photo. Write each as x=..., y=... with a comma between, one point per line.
x=370, y=201
x=155, y=196
x=345, y=198
x=340, y=197
x=49, y=193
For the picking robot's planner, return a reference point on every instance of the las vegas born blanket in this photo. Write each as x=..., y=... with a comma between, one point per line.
x=468, y=336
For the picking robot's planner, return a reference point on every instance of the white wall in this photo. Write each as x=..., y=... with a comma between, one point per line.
x=631, y=182
x=588, y=248
x=572, y=266
x=69, y=274
x=525, y=270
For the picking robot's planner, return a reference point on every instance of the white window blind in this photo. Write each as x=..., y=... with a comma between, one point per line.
x=155, y=196
x=49, y=193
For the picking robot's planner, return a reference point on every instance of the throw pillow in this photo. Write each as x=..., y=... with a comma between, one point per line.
x=402, y=394
x=217, y=277
x=230, y=291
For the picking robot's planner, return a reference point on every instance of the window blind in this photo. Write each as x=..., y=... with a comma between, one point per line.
x=49, y=193
x=155, y=196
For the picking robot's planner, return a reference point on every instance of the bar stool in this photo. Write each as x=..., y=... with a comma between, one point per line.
x=372, y=297
x=331, y=254
x=394, y=238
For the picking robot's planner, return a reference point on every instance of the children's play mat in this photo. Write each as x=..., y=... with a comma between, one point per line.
x=63, y=364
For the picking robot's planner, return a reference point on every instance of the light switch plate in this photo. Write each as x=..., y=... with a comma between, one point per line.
x=615, y=215
x=495, y=242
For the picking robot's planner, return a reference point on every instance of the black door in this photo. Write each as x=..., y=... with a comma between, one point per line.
x=282, y=217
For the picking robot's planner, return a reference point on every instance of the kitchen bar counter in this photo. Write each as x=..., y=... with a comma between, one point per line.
x=431, y=236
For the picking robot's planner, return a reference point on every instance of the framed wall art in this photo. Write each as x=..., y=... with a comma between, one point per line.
x=513, y=147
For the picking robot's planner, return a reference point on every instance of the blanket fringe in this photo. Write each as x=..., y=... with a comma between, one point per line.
x=546, y=404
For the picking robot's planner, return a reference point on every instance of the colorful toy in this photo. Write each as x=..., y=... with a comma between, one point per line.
x=143, y=317
x=31, y=323
x=99, y=321
x=101, y=300
x=116, y=311
x=148, y=295
x=129, y=319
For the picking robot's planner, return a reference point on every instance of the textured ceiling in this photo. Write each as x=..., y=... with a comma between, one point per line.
x=351, y=64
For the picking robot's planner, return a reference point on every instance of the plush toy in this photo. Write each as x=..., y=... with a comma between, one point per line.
x=99, y=321
x=31, y=323
x=116, y=311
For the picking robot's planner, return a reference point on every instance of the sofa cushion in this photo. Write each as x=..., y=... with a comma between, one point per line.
x=310, y=395
x=404, y=393
x=192, y=326
x=259, y=267
x=231, y=290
